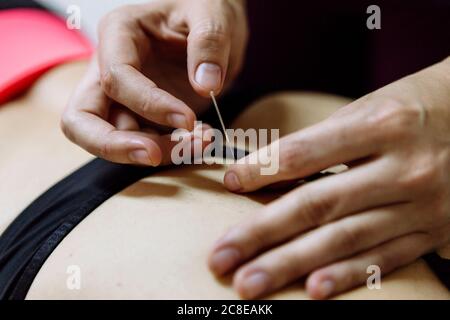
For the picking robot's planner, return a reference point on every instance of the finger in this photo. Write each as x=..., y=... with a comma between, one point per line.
x=312, y=205
x=122, y=119
x=142, y=147
x=209, y=45
x=83, y=122
x=103, y=140
x=126, y=85
x=122, y=47
x=344, y=275
x=303, y=153
x=290, y=261
x=194, y=142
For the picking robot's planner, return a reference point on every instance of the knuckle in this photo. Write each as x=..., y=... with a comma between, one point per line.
x=257, y=235
x=117, y=15
x=105, y=149
x=422, y=174
x=235, y=9
x=150, y=103
x=394, y=120
x=129, y=8
x=108, y=80
x=107, y=18
x=209, y=35
x=67, y=122
x=292, y=157
x=350, y=238
x=317, y=210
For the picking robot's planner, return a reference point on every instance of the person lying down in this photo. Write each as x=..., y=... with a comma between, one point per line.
x=129, y=224
x=152, y=240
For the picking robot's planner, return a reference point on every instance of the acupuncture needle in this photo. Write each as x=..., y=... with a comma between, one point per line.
x=306, y=179
x=211, y=93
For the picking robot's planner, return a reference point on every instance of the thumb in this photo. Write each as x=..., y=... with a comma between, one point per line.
x=208, y=49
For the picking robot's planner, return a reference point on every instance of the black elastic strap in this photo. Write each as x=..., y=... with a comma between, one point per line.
x=440, y=267
x=36, y=232
x=30, y=239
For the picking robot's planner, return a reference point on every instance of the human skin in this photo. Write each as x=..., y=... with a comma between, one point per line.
x=388, y=209
x=114, y=114
x=155, y=66
x=145, y=242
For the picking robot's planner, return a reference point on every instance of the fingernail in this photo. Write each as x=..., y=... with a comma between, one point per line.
x=232, y=182
x=224, y=260
x=140, y=157
x=209, y=76
x=177, y=120
x=255, y=285
x=326, y=288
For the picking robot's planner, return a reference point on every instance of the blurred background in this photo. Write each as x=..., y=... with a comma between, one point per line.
x=91, y=11
x=320, y=45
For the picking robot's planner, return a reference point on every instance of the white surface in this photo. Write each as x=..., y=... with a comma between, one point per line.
x=91, y=11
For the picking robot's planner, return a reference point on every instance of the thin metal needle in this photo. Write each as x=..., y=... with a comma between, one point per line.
x=211, y=93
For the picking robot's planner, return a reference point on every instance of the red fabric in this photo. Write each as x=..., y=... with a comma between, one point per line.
x=31, y=42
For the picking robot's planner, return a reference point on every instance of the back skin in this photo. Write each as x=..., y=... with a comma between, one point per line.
x=151, y=240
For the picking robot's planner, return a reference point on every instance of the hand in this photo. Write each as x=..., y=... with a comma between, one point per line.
x=155, y=66
x=389, y=208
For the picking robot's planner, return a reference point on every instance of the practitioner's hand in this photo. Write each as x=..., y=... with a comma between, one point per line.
x=155, y=66
x=391, y=206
